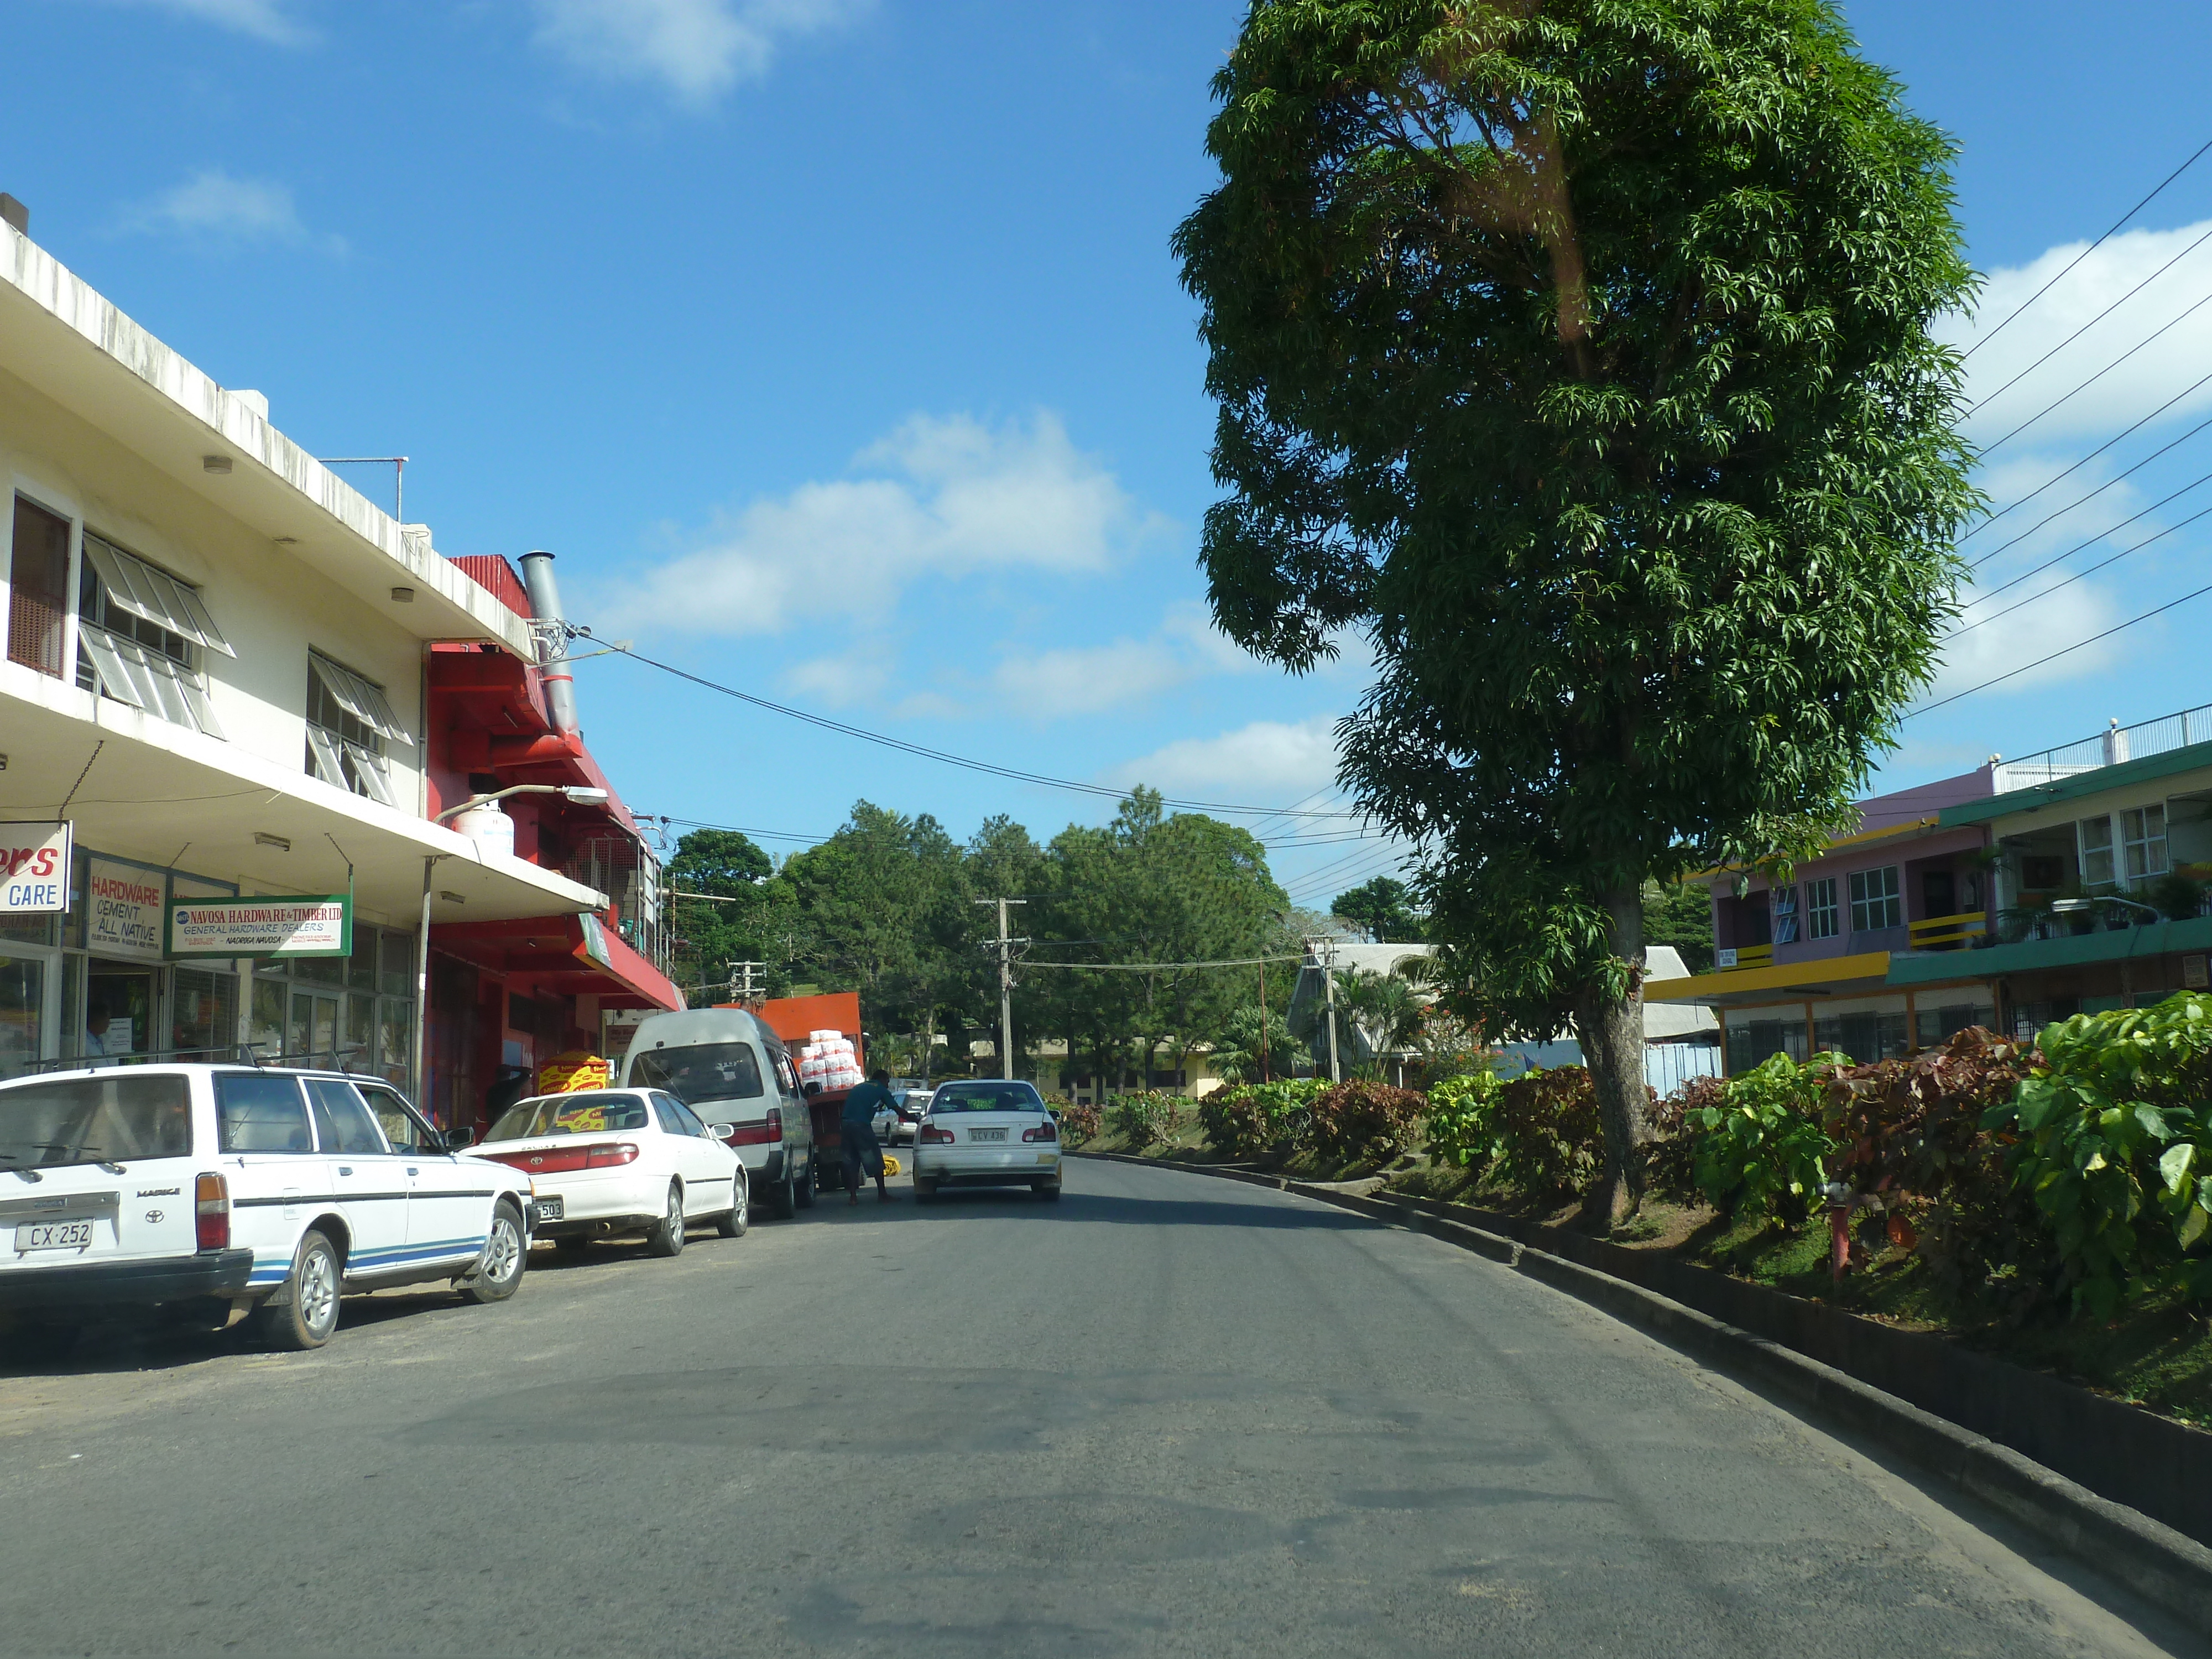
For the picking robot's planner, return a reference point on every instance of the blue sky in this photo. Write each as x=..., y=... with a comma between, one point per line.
x=835, y=346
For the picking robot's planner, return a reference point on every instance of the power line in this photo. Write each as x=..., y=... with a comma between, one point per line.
x=991, y=769
x=2081, y=501
x=1157, y=967
x=2079, y=574
x=2068, y=651
x=1984, y=598
x=2086, y=253
x=2086, y=458
x=1984, y=403
x=2093, y=379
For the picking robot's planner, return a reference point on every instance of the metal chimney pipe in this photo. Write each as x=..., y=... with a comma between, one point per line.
x=545, y=606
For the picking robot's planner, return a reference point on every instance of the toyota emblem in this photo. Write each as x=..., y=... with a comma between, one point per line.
x=153, y=1215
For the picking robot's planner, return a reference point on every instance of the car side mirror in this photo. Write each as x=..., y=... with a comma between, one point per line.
x=812, y=1090
x=721, y=1131
x=456, y=1140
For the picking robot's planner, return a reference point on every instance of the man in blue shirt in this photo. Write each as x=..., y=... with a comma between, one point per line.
x=856, y=1133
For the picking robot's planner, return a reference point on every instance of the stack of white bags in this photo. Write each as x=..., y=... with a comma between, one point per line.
x=827, y=1057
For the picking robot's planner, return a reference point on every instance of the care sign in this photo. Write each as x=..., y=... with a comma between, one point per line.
x=34, y=865
x=313, y=927
x=123, y=912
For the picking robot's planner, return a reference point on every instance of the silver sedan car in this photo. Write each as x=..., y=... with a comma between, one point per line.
x=990, y=1133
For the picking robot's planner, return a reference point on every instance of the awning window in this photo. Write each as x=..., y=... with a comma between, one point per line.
x=349, y=766
x=161, y=685
x=154, y=596
x=357, y=697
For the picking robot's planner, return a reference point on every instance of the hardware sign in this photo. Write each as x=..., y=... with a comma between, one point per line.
x=316, y=925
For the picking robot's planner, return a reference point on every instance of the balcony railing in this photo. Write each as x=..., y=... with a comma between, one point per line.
x=2108, y=748
x=1949, y=933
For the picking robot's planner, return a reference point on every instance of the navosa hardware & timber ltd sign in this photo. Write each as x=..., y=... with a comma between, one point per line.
x=318, y=925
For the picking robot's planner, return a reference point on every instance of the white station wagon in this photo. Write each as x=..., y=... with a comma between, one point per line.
x=241, y=1191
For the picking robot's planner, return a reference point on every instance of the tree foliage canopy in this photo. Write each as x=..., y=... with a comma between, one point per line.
x=1578, y=352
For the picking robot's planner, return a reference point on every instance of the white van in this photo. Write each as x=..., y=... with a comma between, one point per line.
x=726, y=1066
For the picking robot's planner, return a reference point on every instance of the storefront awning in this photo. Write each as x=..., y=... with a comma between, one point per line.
x=570, y=955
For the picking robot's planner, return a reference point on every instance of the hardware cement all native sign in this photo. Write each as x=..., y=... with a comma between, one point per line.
x=318, y=926
x=35, y=868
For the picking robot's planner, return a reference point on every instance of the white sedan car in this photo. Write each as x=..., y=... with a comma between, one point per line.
x=986, y=1133
x=621, y=1161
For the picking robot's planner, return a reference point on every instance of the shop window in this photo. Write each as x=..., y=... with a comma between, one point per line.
x=1757, y=1040
x=349, y=723
x=22, y=998
x=204, y=1020
x=1875, y=903
x=1822, y=920
x=1864, y=1039
x=141, y=636
x=1939, y=1025
x=2096, y=850
x=1782, y=903
x=2142, y=840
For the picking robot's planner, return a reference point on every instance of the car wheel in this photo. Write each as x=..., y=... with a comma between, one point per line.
x=734, y=1224
x=665, y=1237
x=783, y=1197
x=310, y=1311
x=803, y=1194
x=1045, y=1189
x=499, y=1275
x=924, y=1190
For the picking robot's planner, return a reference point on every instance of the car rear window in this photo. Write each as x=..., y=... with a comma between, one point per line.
x=96, y=1120
x=256, y=1112
x=701, y=1071
x=570, y=1115
x=986, y=1097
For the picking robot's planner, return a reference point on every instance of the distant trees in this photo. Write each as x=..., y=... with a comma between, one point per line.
x=886, y=906
x=1383, y=909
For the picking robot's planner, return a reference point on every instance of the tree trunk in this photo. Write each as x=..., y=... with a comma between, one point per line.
x=1612, y=1032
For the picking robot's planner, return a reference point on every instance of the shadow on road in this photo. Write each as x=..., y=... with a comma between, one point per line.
x=957, y=1204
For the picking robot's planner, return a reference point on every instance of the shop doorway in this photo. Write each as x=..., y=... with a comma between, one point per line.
x=120, y=1003
x=311, y=1035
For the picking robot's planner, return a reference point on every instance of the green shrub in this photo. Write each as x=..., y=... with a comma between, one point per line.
x=2111, y=1143
x=1249, y=1120
x=1360, y=1121
x=1762, y=1147
x=1458, y=1122
x=1077, y=1124
x=1145, y=1119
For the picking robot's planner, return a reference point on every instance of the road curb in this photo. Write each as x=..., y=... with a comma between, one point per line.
x=2164, y=1566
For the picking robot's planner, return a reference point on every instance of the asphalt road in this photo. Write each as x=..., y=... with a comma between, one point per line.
x=1168, y=1415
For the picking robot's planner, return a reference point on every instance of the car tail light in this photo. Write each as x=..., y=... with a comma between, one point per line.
x=608, y=1155
x=211, y=1211
x=1044, y=1131
x=933, y=1136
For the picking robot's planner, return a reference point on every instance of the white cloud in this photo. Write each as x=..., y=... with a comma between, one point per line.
x=1266, y=760
x=2181, y=354
x=955, y=498
x=213, y=206
x=266, y=20
x=696, y=49
x=2027, y=635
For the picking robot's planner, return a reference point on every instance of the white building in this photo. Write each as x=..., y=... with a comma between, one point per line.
x=214, y=673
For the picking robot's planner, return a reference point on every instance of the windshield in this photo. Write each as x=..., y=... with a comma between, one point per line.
x=702, y=1072
x=986, y=1097
x=95, y=1120
x=570, y=1115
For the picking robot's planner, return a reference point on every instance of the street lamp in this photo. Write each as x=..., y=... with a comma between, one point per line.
x=579, y=794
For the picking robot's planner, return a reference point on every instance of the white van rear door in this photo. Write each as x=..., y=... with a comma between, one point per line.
x=95, y=1168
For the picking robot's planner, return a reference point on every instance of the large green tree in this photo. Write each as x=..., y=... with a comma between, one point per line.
x=1381, y=908
x=1577, y=351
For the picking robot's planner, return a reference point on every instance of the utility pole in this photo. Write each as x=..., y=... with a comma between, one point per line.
x=1264, y=1076
x=1005, y=988
x=1326, y=949
x=744, y=986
